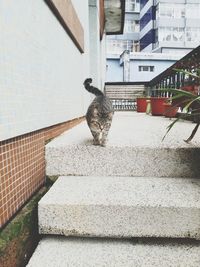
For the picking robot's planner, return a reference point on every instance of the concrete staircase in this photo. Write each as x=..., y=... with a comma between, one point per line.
x=134, y=203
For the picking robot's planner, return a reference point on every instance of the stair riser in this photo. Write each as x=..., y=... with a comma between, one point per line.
x=61, y=252
x=124, y=161
x=119, y=221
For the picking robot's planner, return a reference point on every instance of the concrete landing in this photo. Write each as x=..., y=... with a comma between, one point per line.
x=122, y=207
x=62, y=252
x=135, y=148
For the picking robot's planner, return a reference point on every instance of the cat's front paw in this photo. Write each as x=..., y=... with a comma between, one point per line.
x=103, y=143
x=96, y=143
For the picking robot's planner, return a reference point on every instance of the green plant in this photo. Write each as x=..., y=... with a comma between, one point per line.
x=189, y=101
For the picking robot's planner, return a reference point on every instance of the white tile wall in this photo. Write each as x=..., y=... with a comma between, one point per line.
x=41, y=70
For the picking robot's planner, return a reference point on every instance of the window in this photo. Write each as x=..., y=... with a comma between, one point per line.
x=170, y=34
x=158, y=11
x=156, y=35
x=166, y=10
x=131, y=26
x=192, y=11
x=146, y=68
x=192, y=34
x=118, y=46
x=137, y=26
x=133, y=5
x=136, y=46
x=178, y=34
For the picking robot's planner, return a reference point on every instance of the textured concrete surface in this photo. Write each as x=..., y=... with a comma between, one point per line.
x=122, y=207
x=62, y=252
x=135, y=148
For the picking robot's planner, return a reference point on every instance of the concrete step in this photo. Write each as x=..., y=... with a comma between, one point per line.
x=122, y=207
x=135, y=148
x=62, y=252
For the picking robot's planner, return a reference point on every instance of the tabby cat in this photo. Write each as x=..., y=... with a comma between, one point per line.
x=99, y=114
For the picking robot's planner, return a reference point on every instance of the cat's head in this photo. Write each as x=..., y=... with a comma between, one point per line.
x=100, y=122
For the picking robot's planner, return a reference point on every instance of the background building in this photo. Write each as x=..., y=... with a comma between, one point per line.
x=138, y=67
x=169, y=25
x=166, y=27
x=129, y=40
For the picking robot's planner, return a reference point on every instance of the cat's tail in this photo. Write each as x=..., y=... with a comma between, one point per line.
x=91, y=88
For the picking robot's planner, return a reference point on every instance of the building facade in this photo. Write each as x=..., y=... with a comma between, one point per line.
x=138, y=67
x=169, y=25
x=166, y=27
x=129, y=40
x=48, y=48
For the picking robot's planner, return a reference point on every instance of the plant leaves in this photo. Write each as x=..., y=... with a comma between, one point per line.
x=187, y=96
x=169, y=127
x=192, y=101
x=179, y=92
x=187, y=72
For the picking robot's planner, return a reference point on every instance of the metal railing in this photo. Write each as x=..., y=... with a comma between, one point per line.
x=124, y=105
x=173, y=78
x=123, y=95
